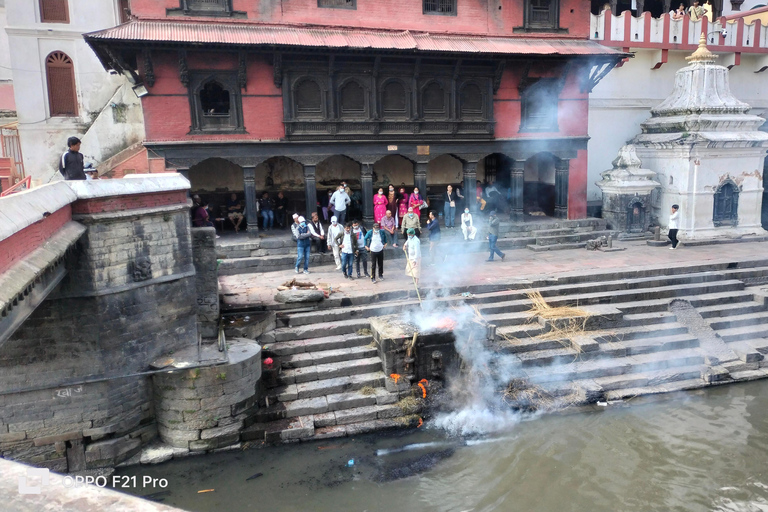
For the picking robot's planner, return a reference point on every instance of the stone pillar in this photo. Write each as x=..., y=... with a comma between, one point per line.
x=251, y=211
x=420, y=178
x=561, y=188
x=517, y=183
x=366, y=180
x=310, y=189
x=470, y=183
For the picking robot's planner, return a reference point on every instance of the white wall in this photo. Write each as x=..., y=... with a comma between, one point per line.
x=624, y=98
x=5, y=51
x=43, y=138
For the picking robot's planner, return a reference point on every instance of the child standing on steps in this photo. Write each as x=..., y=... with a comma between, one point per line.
x=674, y=224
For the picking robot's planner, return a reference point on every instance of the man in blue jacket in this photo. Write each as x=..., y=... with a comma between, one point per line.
x=375, y=242
x=303, y=242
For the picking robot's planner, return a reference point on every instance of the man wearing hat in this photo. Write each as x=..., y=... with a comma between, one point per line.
x=334, y=230
x=303, y=241
x=493, y=235
x=295, y=227
x=412, y=248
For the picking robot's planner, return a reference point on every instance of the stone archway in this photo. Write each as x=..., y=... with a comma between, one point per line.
x=214, y=180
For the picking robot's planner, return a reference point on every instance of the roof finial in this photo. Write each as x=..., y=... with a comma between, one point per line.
x=702, y=53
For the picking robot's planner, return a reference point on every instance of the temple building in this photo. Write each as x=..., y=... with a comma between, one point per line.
x=253, y=96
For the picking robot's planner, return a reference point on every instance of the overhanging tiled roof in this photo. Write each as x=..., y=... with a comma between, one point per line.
x=252, y=34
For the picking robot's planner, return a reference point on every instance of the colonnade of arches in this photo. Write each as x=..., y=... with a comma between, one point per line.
x=534, y=186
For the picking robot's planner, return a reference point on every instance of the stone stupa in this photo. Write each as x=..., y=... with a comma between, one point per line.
x=627, y=192
x=707, y=152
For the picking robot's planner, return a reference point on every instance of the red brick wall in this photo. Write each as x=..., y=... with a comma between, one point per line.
x=136, y=164
x=577, y=186
x=20, y=244
x=498, y=17
x=132, y=202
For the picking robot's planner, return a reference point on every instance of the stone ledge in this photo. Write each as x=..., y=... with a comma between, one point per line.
x=129, y=185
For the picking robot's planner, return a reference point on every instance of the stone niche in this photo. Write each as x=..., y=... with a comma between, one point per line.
x=627, y=190
x=433, y=357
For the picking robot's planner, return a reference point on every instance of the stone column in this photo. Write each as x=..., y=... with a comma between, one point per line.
x=517, y=183
x=561, y=188
x=251, y=212
x=366, y=180
x=310, y=190
x=470, y=182
x=420, y=177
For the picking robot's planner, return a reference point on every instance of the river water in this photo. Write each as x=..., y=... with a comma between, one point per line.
x=696, y=451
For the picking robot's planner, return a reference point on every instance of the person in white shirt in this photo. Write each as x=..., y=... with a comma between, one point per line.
x=340, y=200
x=375, y=242
x=334, y=230
x=467, y=227
x=412, y=248
x=674, y=224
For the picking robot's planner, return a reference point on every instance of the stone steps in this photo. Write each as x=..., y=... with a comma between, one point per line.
x=329, y=370
x=743, y=333
x=734, y=308
x=305, y=359
x=571, y=238
x=317, y=330
x=339, y=341
x=740, y=320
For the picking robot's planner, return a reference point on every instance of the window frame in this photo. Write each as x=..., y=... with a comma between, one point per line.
x=433, y=116
x=190, y=11
x=352, y=7
x=228, y=81
x=554, y=15
x=50, y=87
x=717, y=214
x=483, y=115
x=322, y=114
x=407, y=113
x=66, y=12
x=526, y=125
x=454, y=9
x=366, y=112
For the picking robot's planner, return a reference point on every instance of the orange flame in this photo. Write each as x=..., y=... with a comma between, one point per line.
x=421, y=422
x=394, y=377
x=423, y=390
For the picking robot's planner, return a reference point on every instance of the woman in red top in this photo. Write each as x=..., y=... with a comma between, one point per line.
x=415, y=201
x=379, y=206
x=402, y=206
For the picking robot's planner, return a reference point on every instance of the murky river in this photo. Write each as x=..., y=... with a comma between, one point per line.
x=705, y=450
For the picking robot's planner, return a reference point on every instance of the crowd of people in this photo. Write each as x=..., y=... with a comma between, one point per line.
x=397, y=215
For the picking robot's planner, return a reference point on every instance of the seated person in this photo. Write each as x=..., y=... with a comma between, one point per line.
x=235, y=211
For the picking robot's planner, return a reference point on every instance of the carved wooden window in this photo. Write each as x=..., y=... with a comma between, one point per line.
x=539, y=106
x=215, y=100
x=352, y=100
x=62, y=94
x=433, y=100
x=726, y=210
x=394, y=101
x=338, y=4
x=541, y=14
x=445, y=7
x=308, y=99
x=206, y=6
x=471, y=102
x=54, y=11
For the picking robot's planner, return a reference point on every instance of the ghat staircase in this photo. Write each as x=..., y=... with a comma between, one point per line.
x=276, y=250
x=330, y=383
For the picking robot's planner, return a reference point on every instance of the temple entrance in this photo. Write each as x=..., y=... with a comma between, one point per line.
x=498, y=180
x=539, y=186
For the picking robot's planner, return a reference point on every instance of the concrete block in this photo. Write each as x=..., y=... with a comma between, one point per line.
x=12, y=437
x=325, y=419
x=356, y=415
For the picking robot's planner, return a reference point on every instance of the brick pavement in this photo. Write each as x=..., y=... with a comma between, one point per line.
x=472, y=269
